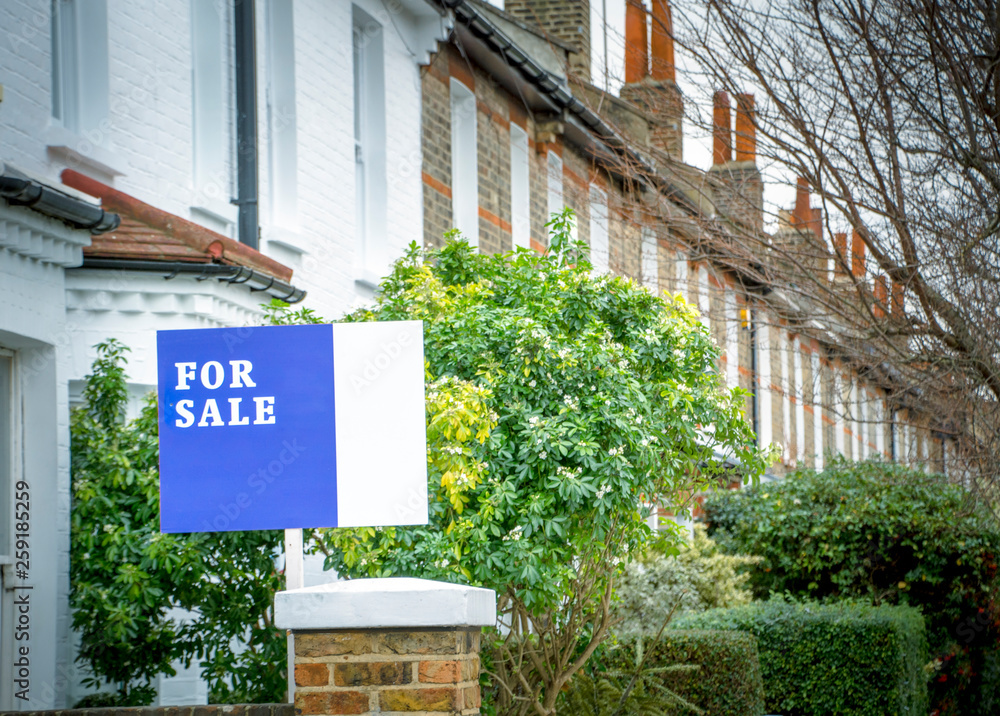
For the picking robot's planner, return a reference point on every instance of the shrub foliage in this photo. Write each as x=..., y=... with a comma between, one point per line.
x=126, y=575
x=832, y=660
x=698, y=576
x=887, y=534
x=595, y=393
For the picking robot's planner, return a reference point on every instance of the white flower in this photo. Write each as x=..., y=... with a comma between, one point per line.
x=605, y=489
x=531, y=384
x=514, y=535
x=543, y=454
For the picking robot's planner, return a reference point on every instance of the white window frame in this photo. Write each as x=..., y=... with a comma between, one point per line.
x=600, y=243
x=211, y=122
x=838, y=413
x=370, y=183
x=732, y=340
x=879, y=426
x=554, y=172
x=765, y=424
x=520, y=188
x=648, y=263
x=817, y=379
x=80, y=80
x=786, y=404
x=799, y=393
x=464, y=161
x=281, y=114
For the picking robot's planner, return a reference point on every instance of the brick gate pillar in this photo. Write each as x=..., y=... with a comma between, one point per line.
x=367, y=646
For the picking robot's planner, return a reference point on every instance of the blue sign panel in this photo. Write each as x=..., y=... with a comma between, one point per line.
x=247, y=428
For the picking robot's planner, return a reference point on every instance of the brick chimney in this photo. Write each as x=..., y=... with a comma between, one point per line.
x=737, y=185
x=651, y=82
x=565, y=20
x=800, y=230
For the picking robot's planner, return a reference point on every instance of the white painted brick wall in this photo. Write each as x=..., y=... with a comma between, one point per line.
x=148, y=139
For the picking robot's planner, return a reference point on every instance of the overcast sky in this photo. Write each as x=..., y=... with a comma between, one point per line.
x=697, y=143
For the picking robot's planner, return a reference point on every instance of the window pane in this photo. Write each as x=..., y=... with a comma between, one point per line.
x=520, y=199
x=464, y=162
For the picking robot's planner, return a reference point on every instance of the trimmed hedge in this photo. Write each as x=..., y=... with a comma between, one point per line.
x=729, y=682
x=835, y=659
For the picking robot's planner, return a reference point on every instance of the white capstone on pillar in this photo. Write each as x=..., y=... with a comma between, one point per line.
x=374, y=645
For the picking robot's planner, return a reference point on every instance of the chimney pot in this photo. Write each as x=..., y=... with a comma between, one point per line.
x=840, y=251
x=898, y=301
x=802, y=214
x=722, y=133
x=857, y=255
x=881, y=296
x=663, y=67
x=746, y=131
x=636, y=48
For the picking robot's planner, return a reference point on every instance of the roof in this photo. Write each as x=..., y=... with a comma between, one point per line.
x=150, y=234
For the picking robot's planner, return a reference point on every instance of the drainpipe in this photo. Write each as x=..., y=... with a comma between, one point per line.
x=246, y=123
x=755, y=418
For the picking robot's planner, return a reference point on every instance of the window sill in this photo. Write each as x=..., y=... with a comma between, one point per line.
x=67, y=147
x=287, y=239
x=367, y=280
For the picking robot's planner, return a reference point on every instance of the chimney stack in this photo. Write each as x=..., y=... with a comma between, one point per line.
x=663, y=42
x=737, y=187
x=857, y=255
x=655, y=92
x=565, y=20
x=722, y=132
x=746, y=131
x=636, y=55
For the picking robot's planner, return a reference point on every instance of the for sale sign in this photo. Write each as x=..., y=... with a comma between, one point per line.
x=281, y=427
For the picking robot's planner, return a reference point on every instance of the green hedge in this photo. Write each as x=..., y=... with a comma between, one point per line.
x=835, y=659
x=728, y=682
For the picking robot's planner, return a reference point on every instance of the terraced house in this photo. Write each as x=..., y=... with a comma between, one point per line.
x=513, y=130
x=175, y=165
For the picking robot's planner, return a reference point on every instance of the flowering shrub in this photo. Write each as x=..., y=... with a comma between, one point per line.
x=583, y=400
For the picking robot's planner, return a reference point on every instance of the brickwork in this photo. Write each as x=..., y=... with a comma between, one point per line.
x=436, y=142
x=399, y=670
x=564, y=20
x=664, y=106
x=493, y=147
x=738, y=191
